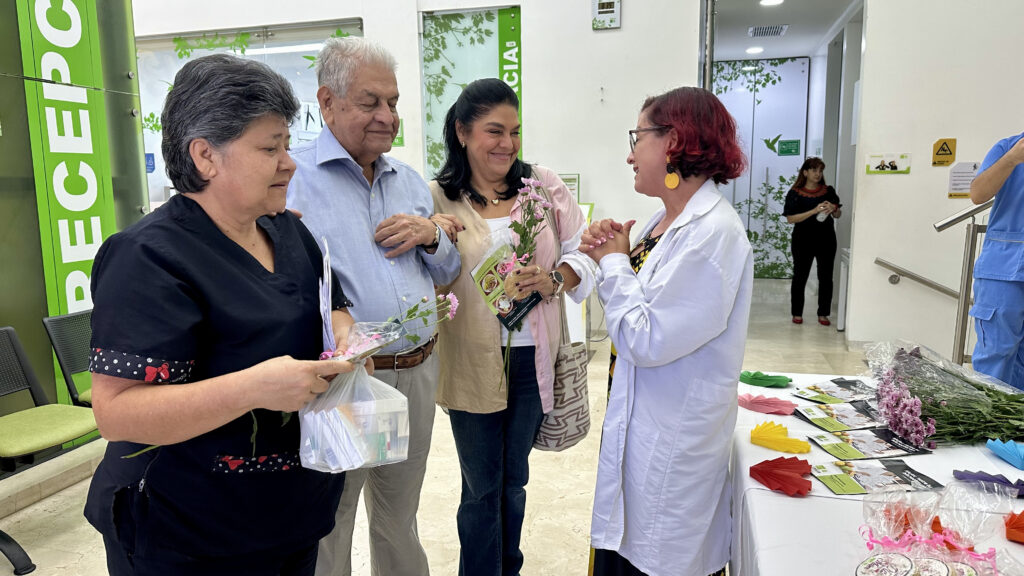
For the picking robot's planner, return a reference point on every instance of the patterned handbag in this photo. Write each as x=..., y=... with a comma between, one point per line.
x=569, y=420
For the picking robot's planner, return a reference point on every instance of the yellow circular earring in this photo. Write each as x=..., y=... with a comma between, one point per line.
x=671, y=178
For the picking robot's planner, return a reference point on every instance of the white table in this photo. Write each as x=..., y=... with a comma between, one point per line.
x=818, y=533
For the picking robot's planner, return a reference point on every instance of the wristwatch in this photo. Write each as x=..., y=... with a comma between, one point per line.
x=558, y=280
x=437, y=238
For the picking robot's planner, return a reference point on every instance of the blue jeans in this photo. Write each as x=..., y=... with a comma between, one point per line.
x=494, y=451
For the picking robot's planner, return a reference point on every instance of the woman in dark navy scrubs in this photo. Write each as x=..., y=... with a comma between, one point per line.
x=206, y=330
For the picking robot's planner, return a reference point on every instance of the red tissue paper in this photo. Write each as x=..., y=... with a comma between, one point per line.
x=784, y=475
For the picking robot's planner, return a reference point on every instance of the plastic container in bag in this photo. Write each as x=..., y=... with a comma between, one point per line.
x=359, y=422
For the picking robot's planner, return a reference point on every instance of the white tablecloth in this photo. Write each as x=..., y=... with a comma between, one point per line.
x=818, y=533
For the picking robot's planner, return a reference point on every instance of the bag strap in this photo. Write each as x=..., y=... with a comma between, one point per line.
x=549, y=217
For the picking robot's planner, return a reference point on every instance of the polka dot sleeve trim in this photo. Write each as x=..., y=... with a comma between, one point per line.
x=134, y=367
x=253, y=464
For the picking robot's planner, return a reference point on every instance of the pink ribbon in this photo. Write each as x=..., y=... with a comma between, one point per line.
x=887, y=543
x=937, y=540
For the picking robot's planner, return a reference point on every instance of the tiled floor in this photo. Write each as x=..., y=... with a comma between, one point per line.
x=556, y=531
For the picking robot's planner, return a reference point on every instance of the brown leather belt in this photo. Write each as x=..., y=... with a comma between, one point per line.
x=407, y=360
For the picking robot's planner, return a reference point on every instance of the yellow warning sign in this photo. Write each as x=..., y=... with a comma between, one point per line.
x=944, y=152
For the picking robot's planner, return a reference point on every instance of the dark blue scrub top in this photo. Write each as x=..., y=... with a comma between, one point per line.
x=176, y=301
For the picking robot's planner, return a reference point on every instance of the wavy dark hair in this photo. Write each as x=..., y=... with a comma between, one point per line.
x=810, y=164
x=706, y=142
x=476, y=100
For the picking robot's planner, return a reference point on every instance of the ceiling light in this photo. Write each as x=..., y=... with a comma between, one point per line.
x=749, y=68
x=755, y=50
x=771, y=2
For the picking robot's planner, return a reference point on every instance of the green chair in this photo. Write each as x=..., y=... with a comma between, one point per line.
x=70, y=334
x=27, y=433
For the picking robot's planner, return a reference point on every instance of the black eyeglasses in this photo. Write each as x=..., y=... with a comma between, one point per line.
x=633, y=133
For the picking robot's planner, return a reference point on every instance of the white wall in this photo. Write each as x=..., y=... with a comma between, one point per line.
x=912, y=95
x=582, y=89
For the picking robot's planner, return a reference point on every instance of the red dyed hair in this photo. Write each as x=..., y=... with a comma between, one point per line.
x=706, y=141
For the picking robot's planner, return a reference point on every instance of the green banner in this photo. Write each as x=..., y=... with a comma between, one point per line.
x=68, y=132
x=510, y=57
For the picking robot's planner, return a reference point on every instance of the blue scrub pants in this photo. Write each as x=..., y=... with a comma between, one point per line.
x=998, y=313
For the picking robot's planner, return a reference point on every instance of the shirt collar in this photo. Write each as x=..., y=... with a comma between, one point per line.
x=328, y=149
x=703, y=200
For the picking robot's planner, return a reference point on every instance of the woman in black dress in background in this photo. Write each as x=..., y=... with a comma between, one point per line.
x=810, y=206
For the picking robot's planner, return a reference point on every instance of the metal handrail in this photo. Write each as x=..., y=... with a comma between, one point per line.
x=962, y=215
x=901, y=271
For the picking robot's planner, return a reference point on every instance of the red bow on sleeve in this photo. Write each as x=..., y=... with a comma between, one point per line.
x=152, y=372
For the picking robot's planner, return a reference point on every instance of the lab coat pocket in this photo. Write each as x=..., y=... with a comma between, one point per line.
x=642, y=448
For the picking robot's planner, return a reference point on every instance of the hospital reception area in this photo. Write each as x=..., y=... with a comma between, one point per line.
x=552, y=288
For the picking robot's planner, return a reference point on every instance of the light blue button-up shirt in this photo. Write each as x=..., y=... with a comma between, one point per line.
x=337, y=203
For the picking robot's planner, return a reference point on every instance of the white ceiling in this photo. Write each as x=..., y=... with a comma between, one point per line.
x=809, y=22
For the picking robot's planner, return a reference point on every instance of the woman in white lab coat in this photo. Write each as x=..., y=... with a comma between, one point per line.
x=676, y=306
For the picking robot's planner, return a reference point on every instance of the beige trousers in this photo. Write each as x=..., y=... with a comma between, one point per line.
x=391, y=492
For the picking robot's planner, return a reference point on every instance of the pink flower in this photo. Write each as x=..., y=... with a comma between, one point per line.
x=454, y=303
x=505, y=267
x=532, y=182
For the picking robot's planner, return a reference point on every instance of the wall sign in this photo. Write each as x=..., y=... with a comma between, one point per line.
x=960, y=178
x=888, y=164
x=510, y=57
x=944, y=152
x=789, y=148
x=67, y=127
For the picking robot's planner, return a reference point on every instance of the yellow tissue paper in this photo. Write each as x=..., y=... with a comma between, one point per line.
x=776, y=437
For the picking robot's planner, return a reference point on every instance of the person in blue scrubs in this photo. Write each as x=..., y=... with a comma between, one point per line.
x=998, y=309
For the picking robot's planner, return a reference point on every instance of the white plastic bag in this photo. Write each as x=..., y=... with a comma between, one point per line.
x=359, y=422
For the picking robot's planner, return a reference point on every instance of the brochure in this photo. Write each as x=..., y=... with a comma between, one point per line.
x=491, y=284
x=836, y=391
x=839, y=417
x=844, y=477
x=861, y=444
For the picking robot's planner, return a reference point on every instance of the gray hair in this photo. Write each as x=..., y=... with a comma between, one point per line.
x=341, y=57
x=216, y=98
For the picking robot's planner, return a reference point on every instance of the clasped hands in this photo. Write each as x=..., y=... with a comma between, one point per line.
x=403, y=232
x=606, y=237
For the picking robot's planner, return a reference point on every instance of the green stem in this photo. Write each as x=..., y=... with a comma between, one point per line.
x=143, y=451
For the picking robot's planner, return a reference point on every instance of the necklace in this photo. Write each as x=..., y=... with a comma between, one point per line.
x=495, y=201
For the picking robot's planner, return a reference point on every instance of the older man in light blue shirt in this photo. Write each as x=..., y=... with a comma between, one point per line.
x=375, y=213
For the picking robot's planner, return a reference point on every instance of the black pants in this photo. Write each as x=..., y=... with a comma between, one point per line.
x=121, y=562
x=806, y=249
x=610, y=563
